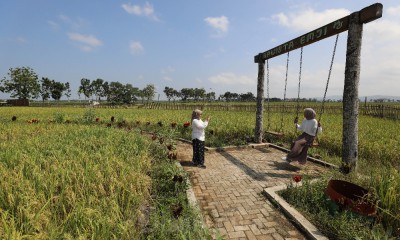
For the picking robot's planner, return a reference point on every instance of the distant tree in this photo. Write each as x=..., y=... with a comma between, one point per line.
x=22, y=83
x=57, y=90
x=106, y=88
x=149, y=91
x=129, y=94
x=45, y=90
x=228, y=96
x=175, y=94
x=97, y=87
x=141, y=95
x=85, y=88
x=115, y=92
x=199, y=93
x=186, y=93
x=247, y=97
x=210, y=96
x=67, y=90
x=169, y=92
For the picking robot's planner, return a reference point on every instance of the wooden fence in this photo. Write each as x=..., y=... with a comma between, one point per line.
x=382, y=111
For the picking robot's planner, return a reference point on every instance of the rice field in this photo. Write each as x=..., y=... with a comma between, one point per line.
x=73, y=173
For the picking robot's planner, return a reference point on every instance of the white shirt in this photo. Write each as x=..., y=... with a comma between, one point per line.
x=198, y=127
x=309, y=127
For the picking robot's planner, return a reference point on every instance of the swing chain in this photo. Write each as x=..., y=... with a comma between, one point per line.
x=298, y=89
x=268, y=110
x=284, y=94
x=329, y=76
x=327, y=83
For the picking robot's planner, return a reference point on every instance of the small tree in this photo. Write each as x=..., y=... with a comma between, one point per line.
x=67, y=90
x=45, y=90
x=22, y=83
x=169, y=92
x=149, y=91
x=57, y=90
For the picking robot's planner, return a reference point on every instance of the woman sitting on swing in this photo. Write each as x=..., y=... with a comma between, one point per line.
x=310, y=127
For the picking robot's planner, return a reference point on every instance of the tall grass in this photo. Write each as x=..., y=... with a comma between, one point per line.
x=25, y=150
x=71, y=181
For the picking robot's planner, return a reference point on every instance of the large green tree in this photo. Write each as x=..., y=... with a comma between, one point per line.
x=169, y=92
x=98, y=88
x=149, y=91
x=22, y=83
x=57, y=90
x=85, y=88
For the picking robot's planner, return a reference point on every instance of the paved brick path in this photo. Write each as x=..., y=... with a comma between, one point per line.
x=229, y=191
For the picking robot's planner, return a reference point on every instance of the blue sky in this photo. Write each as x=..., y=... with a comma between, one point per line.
x=194, y=44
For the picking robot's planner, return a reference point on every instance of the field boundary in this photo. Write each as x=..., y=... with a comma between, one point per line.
x=307, y=227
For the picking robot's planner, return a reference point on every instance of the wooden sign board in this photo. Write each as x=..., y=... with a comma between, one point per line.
x=367, y=14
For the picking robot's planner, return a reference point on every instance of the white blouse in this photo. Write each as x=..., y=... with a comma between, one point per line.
x=198, y=127
x=309, y=127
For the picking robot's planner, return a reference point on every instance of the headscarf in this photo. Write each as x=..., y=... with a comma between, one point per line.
x=196, y=114
x=309, y=113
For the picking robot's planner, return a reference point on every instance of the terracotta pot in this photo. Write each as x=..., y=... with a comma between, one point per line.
x=350, y=196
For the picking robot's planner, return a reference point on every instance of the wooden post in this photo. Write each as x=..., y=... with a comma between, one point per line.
x=350, y=94
x=258, y=133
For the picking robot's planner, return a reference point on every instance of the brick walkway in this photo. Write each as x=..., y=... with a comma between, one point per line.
x=229, y=191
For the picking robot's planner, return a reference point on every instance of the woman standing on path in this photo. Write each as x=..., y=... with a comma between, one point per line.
x=198, y=137
x=299, y=147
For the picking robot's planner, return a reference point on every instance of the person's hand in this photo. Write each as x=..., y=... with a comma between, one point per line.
x=296, y=119
x=208, y=119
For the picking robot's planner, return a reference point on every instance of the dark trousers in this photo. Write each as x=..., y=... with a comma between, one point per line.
x=198, y=151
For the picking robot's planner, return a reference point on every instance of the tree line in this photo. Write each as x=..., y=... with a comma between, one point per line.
x=24, y=83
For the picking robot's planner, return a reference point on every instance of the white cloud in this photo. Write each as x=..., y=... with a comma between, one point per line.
x=136, y=47
x=168, y=79
x=229, y=78
x=146, y=10
x=73, y=24
x=219, y=24
x=169, y=69
x=21, y=40
x=215, y=53
x=86, y=43
x=307, y=20
x=393, y=11
x=53, y=25
x=379, y=56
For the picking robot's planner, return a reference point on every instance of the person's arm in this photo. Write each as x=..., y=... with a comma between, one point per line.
x=200, y=124
x=297, y=126
x=319, y=127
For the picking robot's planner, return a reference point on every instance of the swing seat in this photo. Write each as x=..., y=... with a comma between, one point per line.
x=277, y=134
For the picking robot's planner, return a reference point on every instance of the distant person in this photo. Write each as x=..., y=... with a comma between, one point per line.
x=309, y=127
x=198, y=137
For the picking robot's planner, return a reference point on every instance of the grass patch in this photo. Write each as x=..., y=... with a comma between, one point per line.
x=310, y=199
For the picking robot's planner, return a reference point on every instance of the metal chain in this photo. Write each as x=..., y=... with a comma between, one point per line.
x=298, y=88
x=268, y=110
x=284, y=94
x=329, y=76
x=327, y=82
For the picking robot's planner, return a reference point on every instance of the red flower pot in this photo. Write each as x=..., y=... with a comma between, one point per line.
x=350, y=196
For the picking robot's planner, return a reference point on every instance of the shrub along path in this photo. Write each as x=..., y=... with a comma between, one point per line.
x=229, y=191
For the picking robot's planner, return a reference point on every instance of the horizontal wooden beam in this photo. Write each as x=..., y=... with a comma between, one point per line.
x=367, y=14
